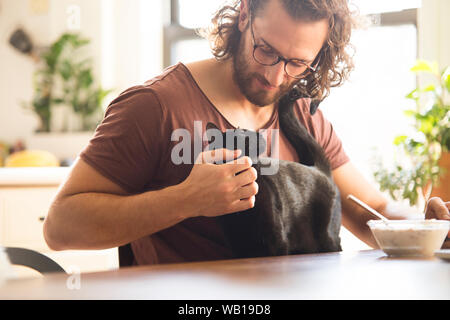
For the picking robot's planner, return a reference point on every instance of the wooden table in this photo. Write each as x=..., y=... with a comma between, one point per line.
x=348, y=275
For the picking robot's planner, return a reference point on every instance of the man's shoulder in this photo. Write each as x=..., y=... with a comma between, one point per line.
x=301, y=106
x=172, y=84
x=172, y=79
x=171, y=73
x=316, y=123
x=301, y=110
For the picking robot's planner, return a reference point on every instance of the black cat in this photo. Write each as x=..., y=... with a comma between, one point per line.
x=298, y=209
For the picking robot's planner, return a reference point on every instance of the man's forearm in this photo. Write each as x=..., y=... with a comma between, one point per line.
x=101, y=221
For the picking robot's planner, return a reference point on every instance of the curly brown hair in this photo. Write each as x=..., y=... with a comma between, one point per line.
x=336, y=62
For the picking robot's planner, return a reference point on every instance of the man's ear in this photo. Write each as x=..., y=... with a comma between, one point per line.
x=243, y=16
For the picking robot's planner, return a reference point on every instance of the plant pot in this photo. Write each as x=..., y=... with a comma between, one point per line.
x=443, y=190
x=65, y=146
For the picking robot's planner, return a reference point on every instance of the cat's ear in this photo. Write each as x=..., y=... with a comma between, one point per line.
x=314, y=105
x=296, y=93
x=211, y=130
x=211, y=125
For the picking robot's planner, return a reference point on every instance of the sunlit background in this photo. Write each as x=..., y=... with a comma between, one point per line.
x=134, y=40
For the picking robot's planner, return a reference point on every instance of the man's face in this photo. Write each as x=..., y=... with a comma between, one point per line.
x=274, y=28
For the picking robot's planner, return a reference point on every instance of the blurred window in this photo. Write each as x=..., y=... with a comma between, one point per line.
x=181, y=42
x=367, y=111
x=383, y=6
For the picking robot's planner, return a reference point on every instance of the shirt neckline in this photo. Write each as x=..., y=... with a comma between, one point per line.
x=269, y=123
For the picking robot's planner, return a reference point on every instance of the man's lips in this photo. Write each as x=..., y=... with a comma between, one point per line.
x=264, y=85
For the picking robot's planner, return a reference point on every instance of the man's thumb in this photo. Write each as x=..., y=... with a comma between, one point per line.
x=220, y=155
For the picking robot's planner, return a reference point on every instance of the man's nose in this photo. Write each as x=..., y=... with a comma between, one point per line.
x=275, y=74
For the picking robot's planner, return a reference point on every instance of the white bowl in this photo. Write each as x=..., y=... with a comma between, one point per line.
x=409, y=237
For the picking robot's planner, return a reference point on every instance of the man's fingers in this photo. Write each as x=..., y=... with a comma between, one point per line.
x=438, y=209
x=442, y=210
x=246, y=177
x=446, y=245
x=447, y=204
x=240, y=164
x=218, y=155
x=244, y=204
x=443, y=213
x=248, y=190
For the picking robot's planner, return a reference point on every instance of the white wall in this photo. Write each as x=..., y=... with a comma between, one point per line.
x=434, y=27
x=126, y=37
x=132, y=37
x=16, y=70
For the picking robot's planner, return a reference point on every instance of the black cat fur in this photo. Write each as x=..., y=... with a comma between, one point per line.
x=298, y=209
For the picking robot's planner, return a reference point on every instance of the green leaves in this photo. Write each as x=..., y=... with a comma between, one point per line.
x=66, y=70
x=66, y=77
x=445, y=140
x=399, y=140
x=446, y=78
x=85, y=78
x=424, y=148
x=413, y=95
x=425, y=66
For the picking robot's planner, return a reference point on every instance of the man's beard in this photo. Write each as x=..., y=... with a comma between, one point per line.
x=244, y=80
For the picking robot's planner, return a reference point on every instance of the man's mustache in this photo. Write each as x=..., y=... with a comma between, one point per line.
x=264, y=81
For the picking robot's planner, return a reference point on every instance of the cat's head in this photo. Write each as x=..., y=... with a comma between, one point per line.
x=251, y=143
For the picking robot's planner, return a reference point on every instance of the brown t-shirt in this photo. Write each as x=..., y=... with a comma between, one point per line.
x=132, y=147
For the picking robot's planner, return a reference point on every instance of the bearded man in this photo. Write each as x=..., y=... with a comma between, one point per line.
x=126, y=187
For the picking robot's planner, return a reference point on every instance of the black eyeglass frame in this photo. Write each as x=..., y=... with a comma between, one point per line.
x=304, y=74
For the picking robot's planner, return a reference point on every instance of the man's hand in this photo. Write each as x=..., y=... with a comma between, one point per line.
x=438, y=209
x=213, y=190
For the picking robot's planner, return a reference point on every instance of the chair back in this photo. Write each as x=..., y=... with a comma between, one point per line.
x=126, y=257
x=32, y=259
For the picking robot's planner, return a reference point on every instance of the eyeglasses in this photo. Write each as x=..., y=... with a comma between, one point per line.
x=265, y=56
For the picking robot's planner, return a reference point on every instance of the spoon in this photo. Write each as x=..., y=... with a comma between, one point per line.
x=368, y=208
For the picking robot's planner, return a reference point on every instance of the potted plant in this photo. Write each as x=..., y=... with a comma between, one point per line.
x=65, y=87
x=43, y=82
x=77, y=82
x=65, y=77
x=420, y=169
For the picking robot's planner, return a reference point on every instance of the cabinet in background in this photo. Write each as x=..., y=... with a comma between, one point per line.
x=22, y=212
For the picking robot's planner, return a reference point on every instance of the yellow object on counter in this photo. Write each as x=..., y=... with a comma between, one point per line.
x=3, y=152
x=32, y=158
